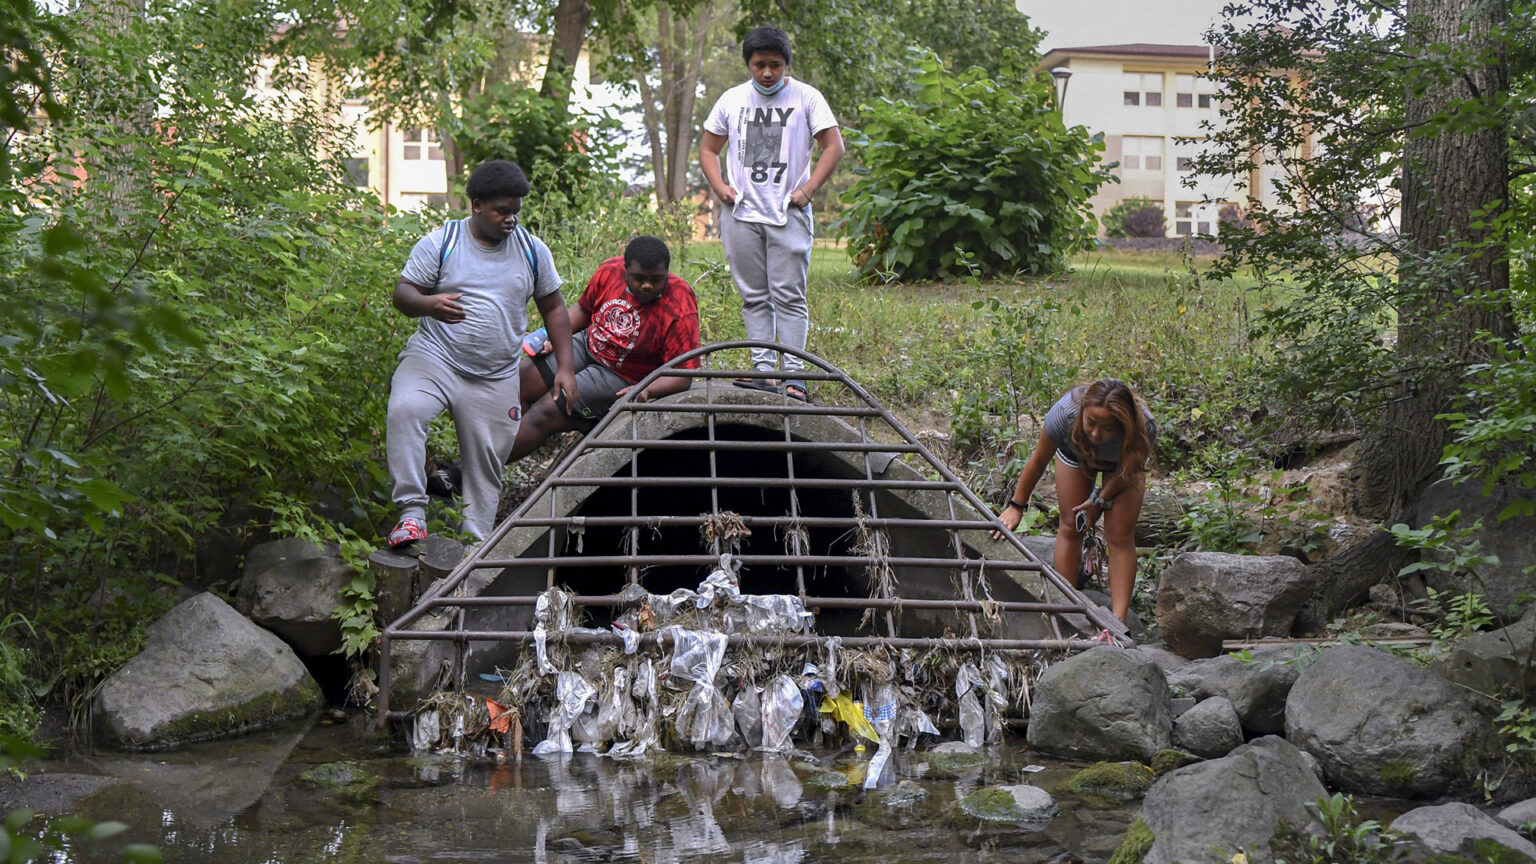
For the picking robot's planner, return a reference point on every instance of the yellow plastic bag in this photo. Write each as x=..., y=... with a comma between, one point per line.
x=843, y=709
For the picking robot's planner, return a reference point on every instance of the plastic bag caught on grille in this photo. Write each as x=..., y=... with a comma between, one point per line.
x=426, y=732
x=572, y=692
x=782, y=705
x=972, y=718
x=696, y=656
x=705, y=718
x=776, y=613
x=748, y=709
x=719, y=587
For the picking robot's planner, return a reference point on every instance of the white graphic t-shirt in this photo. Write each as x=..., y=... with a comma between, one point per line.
x=768, y=148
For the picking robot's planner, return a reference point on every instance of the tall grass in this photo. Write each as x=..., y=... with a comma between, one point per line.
x=1149, y=318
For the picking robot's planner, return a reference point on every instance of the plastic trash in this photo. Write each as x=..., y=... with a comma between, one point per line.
x=776, y=613
x=426, y=732
x=572, y=693
x=630, y=636
x=972, y=718
x=696, y=656
x=705, y=718
x=830, y=678
x=845, y=710
x=748, y=710
x=615, y=712
x=782, y=705
x=720, y=587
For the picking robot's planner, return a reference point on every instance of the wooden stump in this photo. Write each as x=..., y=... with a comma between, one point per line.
x=395, y=582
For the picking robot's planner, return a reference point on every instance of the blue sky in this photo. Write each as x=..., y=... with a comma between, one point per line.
x=1112, y=22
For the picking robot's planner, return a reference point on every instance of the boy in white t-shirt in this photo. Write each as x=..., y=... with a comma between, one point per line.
x=768, y=124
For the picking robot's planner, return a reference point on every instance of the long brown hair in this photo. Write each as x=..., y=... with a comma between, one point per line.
x=1129, y=411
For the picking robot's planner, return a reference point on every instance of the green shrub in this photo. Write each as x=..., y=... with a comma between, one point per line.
x=1134, y=217
x=951, y=189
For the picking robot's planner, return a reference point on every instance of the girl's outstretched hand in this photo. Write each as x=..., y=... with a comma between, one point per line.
x=1011, y=517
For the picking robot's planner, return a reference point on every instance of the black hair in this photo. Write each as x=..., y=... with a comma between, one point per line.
x=649, y=252
x=497, y=178
x=765, y=39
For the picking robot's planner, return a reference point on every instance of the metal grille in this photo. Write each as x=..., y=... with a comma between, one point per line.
x=840, y=487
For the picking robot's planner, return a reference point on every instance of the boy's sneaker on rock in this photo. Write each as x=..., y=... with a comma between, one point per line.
x=408, y=531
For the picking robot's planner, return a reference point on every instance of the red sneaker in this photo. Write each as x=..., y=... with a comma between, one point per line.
x=409, y=530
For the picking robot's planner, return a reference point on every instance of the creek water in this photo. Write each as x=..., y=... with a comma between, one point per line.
x=247, y=801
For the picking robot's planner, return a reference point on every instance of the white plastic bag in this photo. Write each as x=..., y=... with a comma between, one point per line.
x=572, y=693
x=696, y=656
x=972, y=719
x=782, y=705
x=748, y=709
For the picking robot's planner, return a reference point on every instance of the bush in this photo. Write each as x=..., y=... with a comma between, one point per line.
x=1003, y=198
x=1114, y=218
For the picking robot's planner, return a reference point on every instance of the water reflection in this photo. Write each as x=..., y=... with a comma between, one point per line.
x=250, y=801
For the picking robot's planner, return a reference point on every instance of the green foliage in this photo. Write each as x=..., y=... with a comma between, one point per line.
x=1454, y=614
x=1003, y=198
x=1344, y=838
x=1013, y=366
x=19, y=713
x=1134, y=217
x=1516, y=725
x=559, y=151
x=1448, y=548
x=1494, y=430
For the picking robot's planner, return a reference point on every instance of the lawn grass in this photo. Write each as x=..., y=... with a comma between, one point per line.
x=1146, y=317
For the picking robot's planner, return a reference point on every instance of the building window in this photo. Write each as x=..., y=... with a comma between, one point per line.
x=1193, y=217
x=357, y=170
x=437, y=201
x=1192, y=90
x=1184, y=163
x=1143, y=88
x=422, y=144
x=1141, y=153
x=1205, y=100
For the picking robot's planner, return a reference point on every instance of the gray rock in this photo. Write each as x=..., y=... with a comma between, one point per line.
x=1165, y=659
x=953, y=747
x=1235, y=803
x=1519, y=815
x=1382, y=725
x=1035, y=803
x=1205, y=597
x=205, y=672
x=291, y=587
x=210, y=783
x=1457, y=828
x=1512, y=540
x=1256, y=688
x=1180, y=704
x=1493, y=662
x=1106, y=703
x=1210, y=729
x=1043, y=545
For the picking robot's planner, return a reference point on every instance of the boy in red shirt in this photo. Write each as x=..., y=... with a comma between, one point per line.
x=633, y=316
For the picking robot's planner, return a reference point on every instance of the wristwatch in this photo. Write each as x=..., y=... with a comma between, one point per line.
x=1102, y=503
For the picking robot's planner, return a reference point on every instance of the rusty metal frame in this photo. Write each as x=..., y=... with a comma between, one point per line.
x=858, y=415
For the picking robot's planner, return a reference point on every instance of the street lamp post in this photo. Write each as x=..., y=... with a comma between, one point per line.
x=1061, y=75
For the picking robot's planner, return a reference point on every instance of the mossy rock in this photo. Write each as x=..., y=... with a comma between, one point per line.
x=895, y=808
x=347, y=779
x=988, y=805
x=1137, y=842
x=954, y=764
x=1116, y=781
x=1398, y=775
x=1168, y=760
x=826, y=780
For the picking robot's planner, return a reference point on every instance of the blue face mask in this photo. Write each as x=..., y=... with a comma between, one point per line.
x=769, y=91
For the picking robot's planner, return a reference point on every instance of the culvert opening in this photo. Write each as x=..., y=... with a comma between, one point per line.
x=696, y=495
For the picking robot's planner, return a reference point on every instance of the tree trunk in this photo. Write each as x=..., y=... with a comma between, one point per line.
x=571, y=20
x=680, y=45
x=1450, y=179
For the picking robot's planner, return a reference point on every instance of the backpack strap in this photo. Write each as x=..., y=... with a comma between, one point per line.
x=451, y=231
x=525, y=240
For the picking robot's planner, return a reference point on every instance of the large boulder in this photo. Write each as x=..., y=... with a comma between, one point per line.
x=205, y=672
x=1461, y=829
x=1106, y=703
x=1512, y=540
x=1383, y=725
x=1209, y=730
x=1205, y=597
x=291, y=587
x=1233, y=804
x=1493, y=662
x=1256, y=686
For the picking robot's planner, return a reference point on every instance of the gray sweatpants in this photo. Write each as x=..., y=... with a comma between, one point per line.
x=769, y=264
x=486, y=415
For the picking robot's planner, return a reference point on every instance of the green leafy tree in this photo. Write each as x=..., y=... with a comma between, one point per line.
x=948, y=191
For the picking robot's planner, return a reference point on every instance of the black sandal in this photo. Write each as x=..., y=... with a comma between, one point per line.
x=756, y=384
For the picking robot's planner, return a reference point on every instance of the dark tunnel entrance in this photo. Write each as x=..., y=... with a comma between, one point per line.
x=701, y=496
